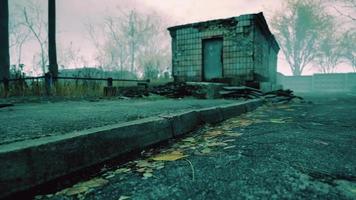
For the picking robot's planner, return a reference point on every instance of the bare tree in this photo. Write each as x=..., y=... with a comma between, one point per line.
x=19, y=36
x=4, y=40
x=329, y=49
x=155, y=53
x=132, y=42
x=345, y=8
x=96, y=35
x=118, y=49
x=298, y=28
x=34, y=21
x=70, y=56
x=348, y=48
x=136, y=28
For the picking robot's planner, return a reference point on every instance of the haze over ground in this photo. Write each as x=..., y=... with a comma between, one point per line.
x=73, y=15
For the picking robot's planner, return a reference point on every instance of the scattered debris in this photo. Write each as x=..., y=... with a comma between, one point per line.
x=176, y=90
x=280, y=96
x=133, y=92
x=240, y=92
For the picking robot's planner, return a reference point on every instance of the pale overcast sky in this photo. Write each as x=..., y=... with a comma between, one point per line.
x=73, y=14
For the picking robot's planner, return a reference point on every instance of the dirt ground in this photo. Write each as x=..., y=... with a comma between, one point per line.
x=292, y=151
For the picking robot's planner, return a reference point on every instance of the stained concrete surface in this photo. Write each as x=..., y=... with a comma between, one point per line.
x=34, y=120
x=296, y=151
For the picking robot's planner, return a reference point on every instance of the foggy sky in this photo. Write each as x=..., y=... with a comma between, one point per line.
x=72, y=15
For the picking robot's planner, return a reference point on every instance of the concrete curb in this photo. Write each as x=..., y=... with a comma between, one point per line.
x=30, y=163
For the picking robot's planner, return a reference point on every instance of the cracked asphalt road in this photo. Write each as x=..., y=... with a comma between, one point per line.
x=34, y=120
x=293, y=151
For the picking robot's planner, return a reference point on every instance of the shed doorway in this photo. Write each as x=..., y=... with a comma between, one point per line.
x=212, y=59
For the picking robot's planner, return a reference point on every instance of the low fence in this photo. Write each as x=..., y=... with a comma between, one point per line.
x=320, y=82
x=48, y=81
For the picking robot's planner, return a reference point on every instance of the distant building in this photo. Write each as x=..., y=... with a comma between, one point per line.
x=234, y=50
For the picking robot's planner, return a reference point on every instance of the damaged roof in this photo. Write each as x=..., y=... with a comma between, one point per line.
x=258, y=17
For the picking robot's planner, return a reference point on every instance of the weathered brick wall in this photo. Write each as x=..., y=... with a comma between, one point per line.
x=186, y=53
x=265, y=58
x=237, y=49
x=245, y=50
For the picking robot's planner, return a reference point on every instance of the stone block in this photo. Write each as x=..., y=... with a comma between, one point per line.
x=210, y=115
x=253, y=104
x=232, y=110
x=31, y=163
x=183, y=123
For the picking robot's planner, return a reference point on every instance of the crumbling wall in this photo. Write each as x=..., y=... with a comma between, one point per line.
x=186, y=54
x=247, y=51
x=265, y=60
x=238, y=51
x=237, y=34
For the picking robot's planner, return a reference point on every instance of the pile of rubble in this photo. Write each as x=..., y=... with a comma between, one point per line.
x=133, y=92
x=176, y=90
x=183, y=89
x=278, y=96
x=236, y=92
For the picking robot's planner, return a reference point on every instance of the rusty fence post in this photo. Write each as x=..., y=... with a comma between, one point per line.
x=109, y=82
x=48, y=83
x=6, y=87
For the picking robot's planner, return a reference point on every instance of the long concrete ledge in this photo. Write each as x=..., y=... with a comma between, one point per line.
x=30, y=163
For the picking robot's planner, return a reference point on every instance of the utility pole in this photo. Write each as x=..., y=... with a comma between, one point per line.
x=52, y=50
x=4, y=40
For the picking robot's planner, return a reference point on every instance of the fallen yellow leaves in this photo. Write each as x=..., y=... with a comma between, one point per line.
x=277, y=121
x=146, y=167
x=244, y=122
x=213, y=133
x=124, y=197
x=189, y=139
x=147, y=175
x=233, y=134
x=122, y=170
x=206, y=151
x=215, y=144
x=172, y=156
x=230, y=147
x=83, y=187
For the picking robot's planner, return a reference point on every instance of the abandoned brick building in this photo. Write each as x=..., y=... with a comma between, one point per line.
x=235, y=50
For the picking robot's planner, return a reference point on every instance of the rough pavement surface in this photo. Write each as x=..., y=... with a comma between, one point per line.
x=34, y=120
x=293, y=151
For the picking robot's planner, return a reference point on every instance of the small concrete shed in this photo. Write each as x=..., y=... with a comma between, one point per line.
x=237, y=50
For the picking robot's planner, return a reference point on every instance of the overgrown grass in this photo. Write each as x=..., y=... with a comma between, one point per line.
x=66, y=88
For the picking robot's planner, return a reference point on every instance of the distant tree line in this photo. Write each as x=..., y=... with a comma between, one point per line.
x=129, y=42
x=132, y=41
x=312, y=33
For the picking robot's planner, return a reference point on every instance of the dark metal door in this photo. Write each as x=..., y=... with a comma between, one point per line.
x=212, y=58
